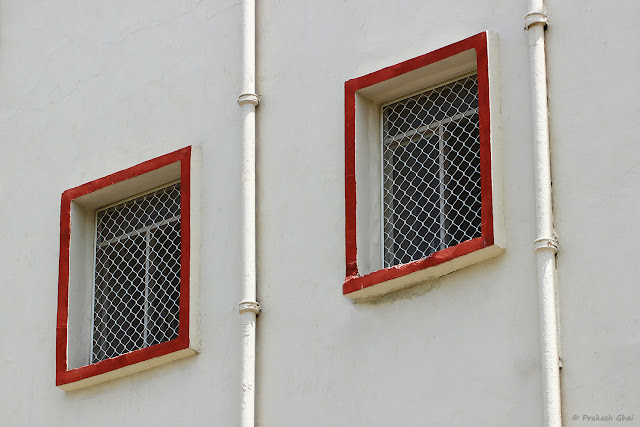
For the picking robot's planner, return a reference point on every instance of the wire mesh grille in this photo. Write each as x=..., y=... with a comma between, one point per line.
x=431, y=171
x=137, y=274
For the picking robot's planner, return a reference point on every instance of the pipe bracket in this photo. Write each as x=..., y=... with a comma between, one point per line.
x=248, y=98
x=546, y=243
x=251, y=306
x=536, y=17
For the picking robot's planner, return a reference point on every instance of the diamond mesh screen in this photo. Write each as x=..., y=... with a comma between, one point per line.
x=431, y=171
x=137, y=274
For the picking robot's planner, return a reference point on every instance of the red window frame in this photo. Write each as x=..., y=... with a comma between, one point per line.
x=67, y=376
x=353, y=281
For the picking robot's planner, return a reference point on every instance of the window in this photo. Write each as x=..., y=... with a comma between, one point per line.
x=137, y=274
x=128, y=270
x=421, y=144
x=430, y=171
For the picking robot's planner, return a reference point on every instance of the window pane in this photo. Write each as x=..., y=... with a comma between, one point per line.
x=137, y=274
x=411, y=201
x=164, y=283
x=430, y=171
x=462, y=180
x=119, y=294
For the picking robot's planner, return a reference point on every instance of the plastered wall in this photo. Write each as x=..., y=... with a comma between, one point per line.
x=594, y=127
x=459, y=351
x=88, y=89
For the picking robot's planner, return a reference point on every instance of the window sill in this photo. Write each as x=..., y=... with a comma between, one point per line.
x=381, y=282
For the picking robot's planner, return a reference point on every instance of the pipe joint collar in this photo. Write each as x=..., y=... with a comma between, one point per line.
x=251, y=306
x=248, y=98
x=536, y=17
x=546, y=243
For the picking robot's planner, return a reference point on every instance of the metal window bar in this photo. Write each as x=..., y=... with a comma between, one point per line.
x=431, y=196
x=137, y=273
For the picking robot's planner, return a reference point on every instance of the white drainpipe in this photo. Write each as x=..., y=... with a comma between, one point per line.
x=546, y=245
x=249, y=307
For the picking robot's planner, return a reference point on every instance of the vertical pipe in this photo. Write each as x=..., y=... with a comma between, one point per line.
x=546, y=245
x=249, y=307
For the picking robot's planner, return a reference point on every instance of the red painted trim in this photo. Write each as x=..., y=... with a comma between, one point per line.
x=129, y=173
x=353, y=284
x=350, y=179
x=185, y=249
x=473, y=42
x=63, y=286
x=73, y=375
x=352, y=281
x=65, y=376
x=485, y=142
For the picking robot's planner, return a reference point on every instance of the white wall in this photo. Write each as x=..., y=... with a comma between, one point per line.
x=594, y=104
x=89, y=89
x=463, y=353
